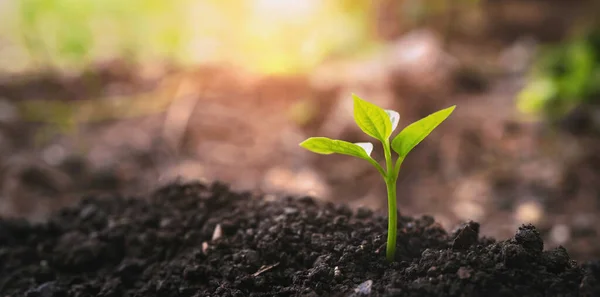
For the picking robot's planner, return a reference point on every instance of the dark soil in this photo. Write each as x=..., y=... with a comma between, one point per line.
x=198, y=240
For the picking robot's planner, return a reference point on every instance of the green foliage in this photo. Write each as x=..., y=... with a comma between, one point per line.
x=327, y=146
x=380, y=124
x=73, y=33
x=265, y=36
x=414, y=133
x=564, y=76
x=372, y=119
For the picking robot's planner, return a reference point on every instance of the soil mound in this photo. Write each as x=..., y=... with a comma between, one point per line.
x=204, y=240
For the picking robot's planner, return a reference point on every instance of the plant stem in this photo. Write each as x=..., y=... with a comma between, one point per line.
x=390, y=183
x=398, y=165
x=392, y=219
x=379, y=168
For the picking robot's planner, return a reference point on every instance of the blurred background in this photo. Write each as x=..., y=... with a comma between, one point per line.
x=105, y=96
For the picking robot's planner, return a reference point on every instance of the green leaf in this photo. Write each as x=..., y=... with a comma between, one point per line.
x=536, y=95
x=414, y=133
x=327, y=146
x=372, y=119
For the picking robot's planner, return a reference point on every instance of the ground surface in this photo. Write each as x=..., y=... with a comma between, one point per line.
x=204, y=240
x=126, y=128
x=483, y=164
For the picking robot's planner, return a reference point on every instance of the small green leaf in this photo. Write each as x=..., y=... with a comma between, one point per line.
x=414, y=133
x=326, y=146
x=372, y=119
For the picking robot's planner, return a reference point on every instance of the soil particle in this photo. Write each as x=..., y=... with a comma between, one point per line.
x=528, y=237
x=466, y=236
x=164, y=246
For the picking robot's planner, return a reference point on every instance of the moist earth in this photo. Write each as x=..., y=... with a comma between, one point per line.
x=194, y=239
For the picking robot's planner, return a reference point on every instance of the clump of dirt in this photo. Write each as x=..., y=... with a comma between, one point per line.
x=204, y=240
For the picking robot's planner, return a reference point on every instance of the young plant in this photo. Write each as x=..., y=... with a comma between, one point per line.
x=379, y=124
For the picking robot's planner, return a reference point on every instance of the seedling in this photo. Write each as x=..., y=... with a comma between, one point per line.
x=379, y=124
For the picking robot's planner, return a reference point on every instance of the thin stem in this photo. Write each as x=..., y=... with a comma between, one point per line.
x=398, y=165
x=392, y=220
x=379, y=168
x=390, y=182
x=388, y=159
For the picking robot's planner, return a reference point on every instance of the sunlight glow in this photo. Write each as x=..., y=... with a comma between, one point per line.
x=285, y=9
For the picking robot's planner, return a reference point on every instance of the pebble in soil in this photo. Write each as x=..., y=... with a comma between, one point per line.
x=164, y=246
